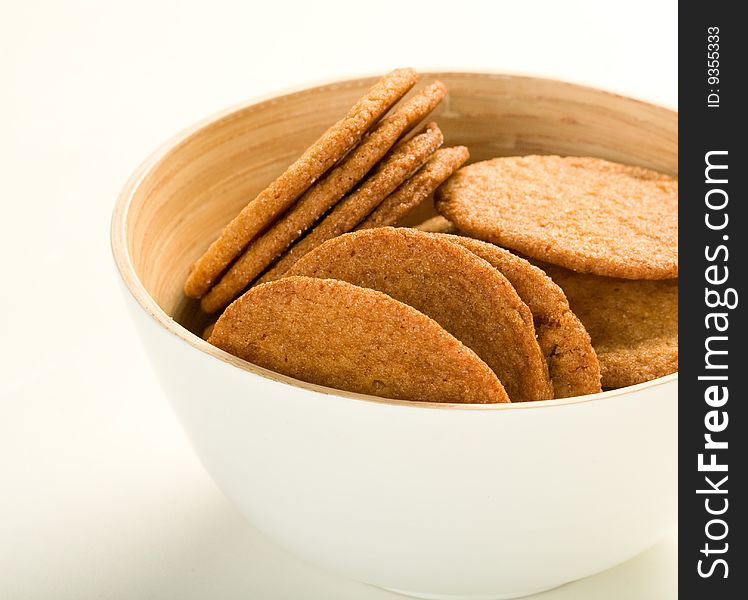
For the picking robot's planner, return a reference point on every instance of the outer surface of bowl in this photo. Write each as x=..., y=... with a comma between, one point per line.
x=437, y=501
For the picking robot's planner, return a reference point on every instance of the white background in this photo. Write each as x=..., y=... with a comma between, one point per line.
x=100, y=494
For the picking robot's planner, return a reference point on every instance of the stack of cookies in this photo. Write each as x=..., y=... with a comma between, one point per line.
x=606, y=233
x=546, y=277
x=364, y=171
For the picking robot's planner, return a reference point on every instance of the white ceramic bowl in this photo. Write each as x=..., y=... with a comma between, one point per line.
x=435, y=501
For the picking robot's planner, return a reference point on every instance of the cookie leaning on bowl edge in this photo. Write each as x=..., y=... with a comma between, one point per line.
x=442, y=164
x=326, y=192
x=459, y=290
x=339, y=335
x=296, y=179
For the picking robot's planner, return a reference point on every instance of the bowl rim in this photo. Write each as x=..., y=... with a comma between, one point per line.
x=126, y=269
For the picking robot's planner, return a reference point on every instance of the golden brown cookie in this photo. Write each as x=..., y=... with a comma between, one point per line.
x=633, y=324
x=325, y=193
x=462, y=292
x=402, y=162
x=410, y=194
x=586, y=214
x=336, y=334
x=280, y=194
x=565, y=343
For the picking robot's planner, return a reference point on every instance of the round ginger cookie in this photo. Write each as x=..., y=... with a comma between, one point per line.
x=565, y=343
x=585, y=214
x=633, y=324
x=462, y=292
x=297, y=178
x=339, y=335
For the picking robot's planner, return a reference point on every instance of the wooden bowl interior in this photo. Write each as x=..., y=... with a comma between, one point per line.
x=199, y=184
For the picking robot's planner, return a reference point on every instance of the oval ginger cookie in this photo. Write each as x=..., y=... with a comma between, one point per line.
x=566, y=345
x=405, y=158
x=460, y=291
x=335, y=334
x=633, y=324
x=585, y=214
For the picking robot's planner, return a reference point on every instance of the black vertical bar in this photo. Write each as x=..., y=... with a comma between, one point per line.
x=713, y=562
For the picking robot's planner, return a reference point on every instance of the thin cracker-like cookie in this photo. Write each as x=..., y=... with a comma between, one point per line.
x=403, y=161
x=462, y=292
x=410, y=194
x=339, y=335
x=565, y=343
x=586, y=214
x=633, y=324
x=325, y=193
x=297, y=178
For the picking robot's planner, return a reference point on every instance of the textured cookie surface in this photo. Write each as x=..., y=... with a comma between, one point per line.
x=410, y=194
x=586, y=214
x=566, y=345
x=462, y=292
x=397, y=167
x=335, y=334
x=633, y=324
x=281, y=193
